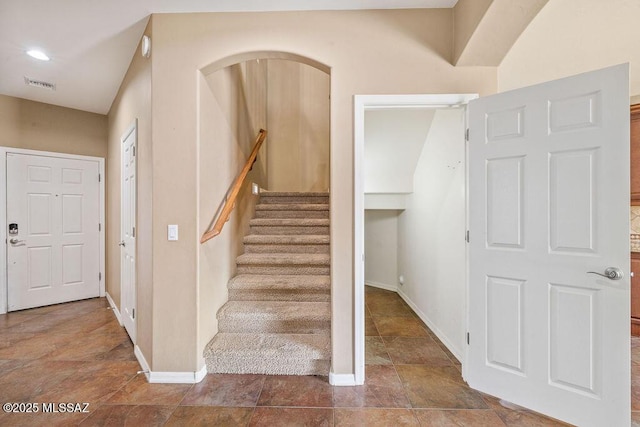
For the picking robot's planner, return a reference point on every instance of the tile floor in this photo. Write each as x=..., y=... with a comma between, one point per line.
x=411, y=379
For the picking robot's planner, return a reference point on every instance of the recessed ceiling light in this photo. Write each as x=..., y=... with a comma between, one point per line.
x=38, y=54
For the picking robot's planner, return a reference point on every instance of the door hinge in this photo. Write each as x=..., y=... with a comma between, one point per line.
x=134, y=150
x=99, y=177
x=466, y=135
x=133, y=232
x=99, y=227
x=99, y=276
x=467, y=338
x=466, y=236
x=133, y=313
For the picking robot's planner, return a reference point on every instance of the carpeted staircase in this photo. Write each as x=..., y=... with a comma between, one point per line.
x=278, y=317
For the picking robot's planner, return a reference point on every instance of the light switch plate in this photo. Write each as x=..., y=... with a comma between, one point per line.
x=172, y=232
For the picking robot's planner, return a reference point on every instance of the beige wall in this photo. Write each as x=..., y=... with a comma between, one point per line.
x=298, y=124
x=232, y=109
x=132, y=102
x=573, y=36
x=402, y=51
x=490, y=30
x=36, y=126
x=467, y=14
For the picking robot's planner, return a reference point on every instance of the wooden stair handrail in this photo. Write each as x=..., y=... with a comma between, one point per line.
x=230, y=201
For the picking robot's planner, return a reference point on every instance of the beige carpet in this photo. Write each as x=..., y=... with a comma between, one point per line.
x=278, y=317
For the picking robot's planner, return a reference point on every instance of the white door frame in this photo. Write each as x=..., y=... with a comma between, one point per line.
x=3, y=213
x=361, y=104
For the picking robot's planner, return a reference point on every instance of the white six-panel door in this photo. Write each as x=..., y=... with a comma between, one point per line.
x=55, y=255
x=128, y=234
x=549, y=203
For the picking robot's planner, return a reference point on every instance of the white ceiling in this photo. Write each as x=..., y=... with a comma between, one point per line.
x=91, y=42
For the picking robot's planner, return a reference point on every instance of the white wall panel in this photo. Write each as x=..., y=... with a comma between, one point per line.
x=381, y=247
x=431, y=231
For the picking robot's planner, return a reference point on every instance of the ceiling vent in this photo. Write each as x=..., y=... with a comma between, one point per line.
x=38, y=83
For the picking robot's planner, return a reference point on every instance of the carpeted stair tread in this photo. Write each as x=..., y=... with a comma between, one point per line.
x=277, y=282
x=291, y=345
x=290, y=222
x=276, y=310
x=292, y=206
x=290, y=226
x=283, y=259
x=289, y=317
x=292, y=210
x=287, y=239
x=287, y=243
x=262, y=287
x=289, y=230
x=271, y=197
x=293, y=194
x=272, y=354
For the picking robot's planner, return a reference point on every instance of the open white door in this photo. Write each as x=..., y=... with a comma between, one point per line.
x=549, y=203
x=128, y=232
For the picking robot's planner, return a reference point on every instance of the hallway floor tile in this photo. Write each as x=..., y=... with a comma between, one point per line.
x=77, y=352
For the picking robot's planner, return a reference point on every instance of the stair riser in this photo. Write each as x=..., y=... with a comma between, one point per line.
x=288, y=230
x=235, y=325
x=283, y=269
x=286, y=249
x=265, y=366
x=283, y=239
x=279, y=295
x=316, y=200
x=292, y=214
x=292, y=206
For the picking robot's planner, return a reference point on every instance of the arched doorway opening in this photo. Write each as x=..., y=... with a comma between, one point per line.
x=289, y=96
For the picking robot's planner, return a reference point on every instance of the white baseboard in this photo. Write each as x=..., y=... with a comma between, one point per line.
x=142, y=361
x=342, y=380
x=201, y=374
x=114, y=308
x=162, y=377
x=431, y=326
x=379, y=285
x=177, y=377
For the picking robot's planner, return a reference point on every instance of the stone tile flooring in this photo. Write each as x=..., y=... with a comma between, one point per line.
x=77, y=352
